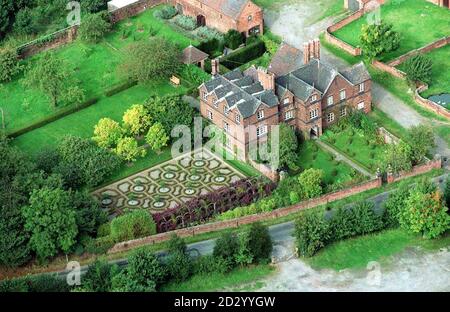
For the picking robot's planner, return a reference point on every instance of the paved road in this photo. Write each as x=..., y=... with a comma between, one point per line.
x=341, y=157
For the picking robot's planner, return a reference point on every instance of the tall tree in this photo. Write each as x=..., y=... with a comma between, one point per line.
x=377, y=39
x=137, y=119
x=421, y=138
x=157, y=137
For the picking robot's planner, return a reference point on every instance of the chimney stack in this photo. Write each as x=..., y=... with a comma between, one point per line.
x=306, y=53
x=317, y=48
x=215, y=68
x=266, y=79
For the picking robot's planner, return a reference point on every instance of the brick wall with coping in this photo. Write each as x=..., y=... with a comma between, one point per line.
x=436, y=163
x=438, y=109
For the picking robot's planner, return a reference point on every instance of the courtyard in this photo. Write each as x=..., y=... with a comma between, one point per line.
x=169, y=184
x=418, y=22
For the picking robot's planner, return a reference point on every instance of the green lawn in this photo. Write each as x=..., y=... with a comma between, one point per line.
x=358, y=252
x=82, y=123
x=312, y=156
x=418, y=22
x=356, y=146
x=215, y=282
x=95, y=67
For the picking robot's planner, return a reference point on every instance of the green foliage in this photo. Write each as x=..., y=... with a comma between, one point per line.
x=129, y=150
x=176, y=244
x=243, y=255
x=94, y=6
x=179, y=266
x=170, y=111
x=311, y=233
x=94, y=27
x=310, y=182
x=395, y=204
x=107, y=133
x=288, y=146
x=195, y=75
x=132, y=225
x=226, y=248
x=233, y=39
x=397, y=157
x=149, y=60
x=25, y=23
x=447, y=192
x=92, y=162
x=51, y=221
x=421, y=139
x=185, y=22
x=137, y=119
x=54, y=77
x=206, y=33
x=377, y=39
x=88, y=213
x=210, y=264
x=98, y=277
x=156, y=137
x=145, y=269
x=9, y=63
x=260, y=243
x=166, y=12
x=211, y=46
x=419, y=68
x=244, y=55
x=35, y=283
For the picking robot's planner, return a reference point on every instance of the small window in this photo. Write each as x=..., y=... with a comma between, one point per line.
x=205, y=96
x=260, y=114
x=361, y=105
x=330, y=117
x=216, y=104
x=314, y=98
x=250, y=17
x=362, y=87
x=289, y=115
x=286, y=101
x=225, y=110
x=343, y=111
x=226, y=127
x=238, y=118
x=261, y=130
x=342, y=95
x=210, y=115
x=314, y=113
x=330, y=100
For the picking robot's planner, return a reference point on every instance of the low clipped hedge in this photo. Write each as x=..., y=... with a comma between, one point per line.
x=242, y=56
x=37, y=283
x=60, y=114
x=120, y=88
x=132, y=225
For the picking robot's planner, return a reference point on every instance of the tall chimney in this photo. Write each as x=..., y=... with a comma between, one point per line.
x=317, y=48
x=266, y=79
x=215, y=68
x=306, y=53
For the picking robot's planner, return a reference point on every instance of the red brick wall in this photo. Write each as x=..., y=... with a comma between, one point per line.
x=389, y=69
x=343, y=45
x=416, y=170
x=438, y=109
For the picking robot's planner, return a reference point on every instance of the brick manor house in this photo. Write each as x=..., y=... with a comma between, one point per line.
x=297, y=88
x=241, y=15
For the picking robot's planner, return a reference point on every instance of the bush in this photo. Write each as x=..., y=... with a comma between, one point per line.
x=9, y=63
x=260, y=243
x=244, y=55
x=211, y=46
x=233, y=39
x=94, y=27
x=166, y=12
x=145, y=269
x=133, y=225
x=35, y=283
x=210, y=264
x=394, y=205
x=419, y=68
x=179, y=266
x=98, y=277
x=311, y=233
x=310, y=182
x=207, y=33
x=185, y=22
x=226, y=248
x=119, y=88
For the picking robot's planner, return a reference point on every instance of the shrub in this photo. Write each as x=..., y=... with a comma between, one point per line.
x=9, y=63
x=394, y=205
x=311, y=233
x=226, y=248
x=377, y=39
x=98, y=277
x=244, y=55
x=145, y=270
x=185, y=22
x=211, y=46
x=233, y=39
x=210, y=264
x=260, y=243
x=179, y=266
x=207, y=33
x=94, y=28
x=310, y=182
x=419, y=68
x=133, y=225
x=176, y=244
x=166, y=12
x=35, y=283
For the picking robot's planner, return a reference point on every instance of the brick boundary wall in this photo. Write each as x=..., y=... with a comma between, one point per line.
x=436, y=163
x=265, y=170
x=221, y=225
x=389, y=69
x=69, y=34
x=438, y=109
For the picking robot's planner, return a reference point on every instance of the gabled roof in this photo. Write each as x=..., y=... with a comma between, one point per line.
x=240, y=92
x=286, y=60
x=357, y=73
x=192, y=55
x=231, y=8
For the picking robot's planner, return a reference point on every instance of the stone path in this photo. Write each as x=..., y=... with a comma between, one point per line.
x=341, y=157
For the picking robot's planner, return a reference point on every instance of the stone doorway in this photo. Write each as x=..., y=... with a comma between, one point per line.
x=201, y=20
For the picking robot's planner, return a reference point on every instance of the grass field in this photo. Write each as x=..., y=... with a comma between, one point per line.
x=215, y=282
x=357, y=147
x=312, y=156
x=95, y=67
x=418, y=22
x=358, y=252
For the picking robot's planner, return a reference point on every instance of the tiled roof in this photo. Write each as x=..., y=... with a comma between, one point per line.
x=241, y=92
x=357, y=73
x=286, y=60
x=232, y=8
x=192, y=55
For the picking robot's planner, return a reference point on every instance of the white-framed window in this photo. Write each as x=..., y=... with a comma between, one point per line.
x=238, y=118
x=216, y=104
x=260, y=114
x=226, y=127
x=342, y=95
x=330, y=100
x=261, y=130
x=210, y=115
x=330, y=117
x=286, y=101
x=362, y=87
x=250, y=17
x=205, y=96
x=225, y=110
x=314, y=98
x=343, y=111
x=361, y=105
x=314, y=113
x=289, y=115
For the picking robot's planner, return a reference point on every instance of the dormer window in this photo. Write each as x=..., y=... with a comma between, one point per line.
x=260, y=114
x=361, y=87
x=314, y=98
x=286, y=101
